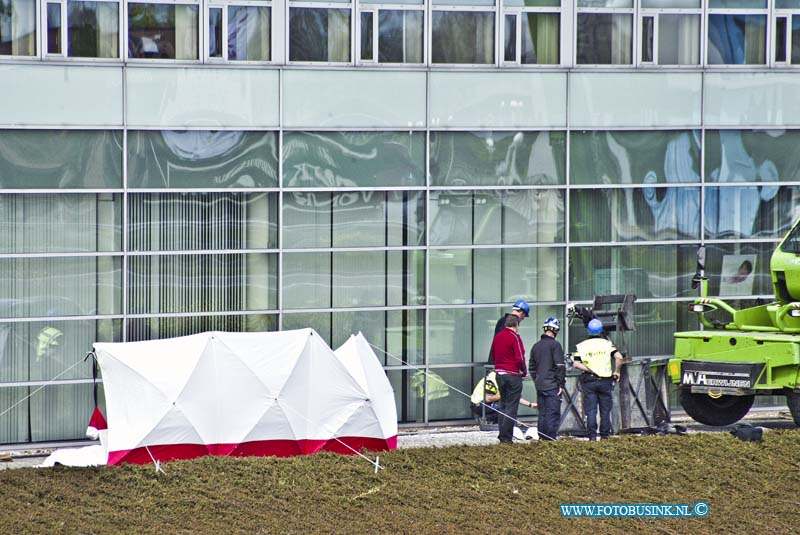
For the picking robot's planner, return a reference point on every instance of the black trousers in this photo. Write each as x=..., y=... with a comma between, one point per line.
x=510, y=387
x=549, y=413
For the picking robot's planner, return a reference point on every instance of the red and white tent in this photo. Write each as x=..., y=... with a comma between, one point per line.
x=279, y=393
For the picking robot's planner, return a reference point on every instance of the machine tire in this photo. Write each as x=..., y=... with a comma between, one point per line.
x=793, y=401
x=723, y=411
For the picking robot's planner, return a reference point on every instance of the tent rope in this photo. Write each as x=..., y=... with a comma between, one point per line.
x=47, y=383
x=157, y=464
x=469, y=396
x=375, y=463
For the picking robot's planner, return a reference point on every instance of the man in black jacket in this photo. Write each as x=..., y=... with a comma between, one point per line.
x=548, y=371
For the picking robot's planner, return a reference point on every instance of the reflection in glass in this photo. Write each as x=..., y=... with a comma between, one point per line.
x=400, y=36
x=795, y=39
x=202, y=159
x=162, y=31
x=352, y=159
x=462, y=37
x=490, y=217
x=464, y=276
x=353, y=219
x=780, y=39
x=737, y=39
x=678, y=39
x=215, y=32
x=249, y=33
x=202, y=283
x=202, y=221
x=58, y=412
x=408, y=397
x=646, y=271
x=497, y=158
x=739, y=268
x=444, y=403
x=604, y=39
x=752, y=155
x=540, y=38
x=635, y=157
x=648, y=32
x=510, y=34
x=319, y=34
x=64, y=159
x=60, y=223
x=353, y=279
x=17, y=27
x=158, y=328
x=60, y=286
x=367, y=53
x=93, y=29
x=53, y=28
x=766, y=211
x=634, y=214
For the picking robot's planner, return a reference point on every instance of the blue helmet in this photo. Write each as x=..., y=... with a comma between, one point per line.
x=521, y=304
x=595, y=326
x=551, y=324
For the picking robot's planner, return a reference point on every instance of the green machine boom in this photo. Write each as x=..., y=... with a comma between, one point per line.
x=754, y=352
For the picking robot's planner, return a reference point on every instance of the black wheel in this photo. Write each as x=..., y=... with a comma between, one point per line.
x=724, y=410
x=793, y=400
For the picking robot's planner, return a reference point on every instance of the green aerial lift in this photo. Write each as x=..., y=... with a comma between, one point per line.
x=754, y=352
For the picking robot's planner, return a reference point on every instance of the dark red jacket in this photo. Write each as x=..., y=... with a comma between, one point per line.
x=509, y=353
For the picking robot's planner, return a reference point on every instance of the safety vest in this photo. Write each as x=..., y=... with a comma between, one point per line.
x=48, y=338
x=595, y=354
x=478, y=394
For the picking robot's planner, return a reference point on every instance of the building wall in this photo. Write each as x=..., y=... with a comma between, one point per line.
x=414, y=204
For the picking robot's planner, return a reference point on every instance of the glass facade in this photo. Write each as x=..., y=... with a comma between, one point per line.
x=295, y=182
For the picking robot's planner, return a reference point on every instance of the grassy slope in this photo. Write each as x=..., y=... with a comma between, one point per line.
x=751, y=488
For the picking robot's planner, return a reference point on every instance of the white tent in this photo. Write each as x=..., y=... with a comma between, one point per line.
x=280, y=393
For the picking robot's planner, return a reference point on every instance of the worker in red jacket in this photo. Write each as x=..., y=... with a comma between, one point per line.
x=509, y=363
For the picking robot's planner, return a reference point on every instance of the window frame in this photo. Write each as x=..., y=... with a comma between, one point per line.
x=454, y=7
x=656, y=14
x=788, y=14
x=299, y=4
x=201, y=44
x=766, y=12
x=375, y=9
x=224, y=5
x=519, y=12
x=64, y=54
x=631, y=11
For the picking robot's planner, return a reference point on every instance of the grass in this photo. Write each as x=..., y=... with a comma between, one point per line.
x=751, y=488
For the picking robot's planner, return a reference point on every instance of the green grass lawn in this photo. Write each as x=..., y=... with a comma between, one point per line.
x=751, y=488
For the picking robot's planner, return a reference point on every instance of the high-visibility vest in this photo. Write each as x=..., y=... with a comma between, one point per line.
x=595, y=353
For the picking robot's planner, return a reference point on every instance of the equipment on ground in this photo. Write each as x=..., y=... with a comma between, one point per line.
x=741, y=354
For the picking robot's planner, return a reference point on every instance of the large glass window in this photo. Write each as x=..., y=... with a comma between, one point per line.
x=392, y=34
x=202, y=159
x=17, y=27
x=466, y=276
x=737, y=32
x=202, y=221
x=240, y=32
x=156, y=328
x=319, y=34
x=350, y=279
x=752, y=156
x=635, y=157
x=531, y=32
x=60, y=222
x=492, y=217
x=604, y=32
x=163, y=31
x=670, y=32
x=202, y=283
x=647, y=271
x=353, y=159
x=353, y=219
x=92, y=29
x=460, y=36
x=497, y=158
x=63, y=159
